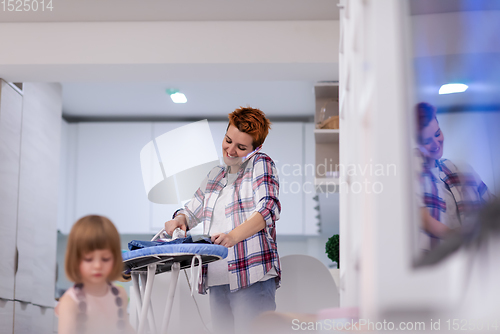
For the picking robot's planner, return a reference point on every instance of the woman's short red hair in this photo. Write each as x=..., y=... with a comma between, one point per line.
x=426, y=112
x=251, y=121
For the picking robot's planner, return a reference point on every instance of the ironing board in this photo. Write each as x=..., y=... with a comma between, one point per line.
x=149, y=261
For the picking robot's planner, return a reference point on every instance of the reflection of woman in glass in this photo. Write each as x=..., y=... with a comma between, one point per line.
x=238, y=206
x=448, y=193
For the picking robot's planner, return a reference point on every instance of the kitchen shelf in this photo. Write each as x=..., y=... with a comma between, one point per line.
x=326, y=135
x=327, y=185
x=326, y=140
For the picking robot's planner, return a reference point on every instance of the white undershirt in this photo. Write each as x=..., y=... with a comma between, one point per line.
x=218, y=273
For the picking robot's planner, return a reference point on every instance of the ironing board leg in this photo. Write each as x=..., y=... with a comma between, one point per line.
x=170, y=299
x=151, y=316
x=138, y=298
x=144, y=279
x=147, y=297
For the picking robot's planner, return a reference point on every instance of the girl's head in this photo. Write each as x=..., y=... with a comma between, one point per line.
x=93, y=236
x=430, y=136
x=247, y=130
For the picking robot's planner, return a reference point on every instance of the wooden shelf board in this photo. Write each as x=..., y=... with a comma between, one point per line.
x=326, y=135
x=327, y=185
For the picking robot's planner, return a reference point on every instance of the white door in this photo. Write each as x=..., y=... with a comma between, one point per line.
x=6, y=316
x=38, y=193
x=10, y=143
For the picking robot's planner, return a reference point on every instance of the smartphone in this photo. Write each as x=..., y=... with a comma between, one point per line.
x=251, y=154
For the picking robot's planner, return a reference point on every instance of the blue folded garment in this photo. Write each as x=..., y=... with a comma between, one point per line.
x=139, y=244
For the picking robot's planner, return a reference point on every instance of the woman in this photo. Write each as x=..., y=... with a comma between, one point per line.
x=448, y=193
x=238, y=205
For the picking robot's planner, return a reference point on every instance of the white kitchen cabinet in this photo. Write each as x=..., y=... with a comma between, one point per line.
x=284, y=145
x=23, y=314
x=10, y=145
x=29, y=319
x=38, y=193
x=108, y=174
x=29, y=164
x=6, y=315
x=42, y=318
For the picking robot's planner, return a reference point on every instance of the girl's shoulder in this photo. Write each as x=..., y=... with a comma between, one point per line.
x=121, y=291
x=70, y=294
x=68, y=301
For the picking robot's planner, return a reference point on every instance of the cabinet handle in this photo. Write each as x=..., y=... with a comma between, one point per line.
x=16, y=261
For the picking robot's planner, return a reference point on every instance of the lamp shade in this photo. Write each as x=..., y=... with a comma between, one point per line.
x=174, y=163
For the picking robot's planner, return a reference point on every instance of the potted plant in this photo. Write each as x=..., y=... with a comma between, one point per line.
x=332, y=249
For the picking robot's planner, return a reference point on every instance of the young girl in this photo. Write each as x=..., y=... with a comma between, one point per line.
x=93, y=260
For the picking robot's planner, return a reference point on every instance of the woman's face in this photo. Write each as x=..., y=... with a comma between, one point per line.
x=235, y=146
x=432, y=140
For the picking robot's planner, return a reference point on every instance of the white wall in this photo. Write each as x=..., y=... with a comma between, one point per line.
x=472, y=138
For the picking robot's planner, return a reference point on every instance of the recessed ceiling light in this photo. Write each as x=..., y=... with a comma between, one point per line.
x=176, y=96
x=452, y=88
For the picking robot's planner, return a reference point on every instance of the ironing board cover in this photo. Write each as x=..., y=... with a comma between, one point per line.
x=165, y=255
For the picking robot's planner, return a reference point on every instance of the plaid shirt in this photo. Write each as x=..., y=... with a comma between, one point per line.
x=256, y=189
x=469, y=192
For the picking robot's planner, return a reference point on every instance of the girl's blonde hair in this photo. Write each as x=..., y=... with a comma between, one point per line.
x=88, y=234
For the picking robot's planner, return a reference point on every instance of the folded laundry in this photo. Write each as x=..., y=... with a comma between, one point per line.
x=198, y=239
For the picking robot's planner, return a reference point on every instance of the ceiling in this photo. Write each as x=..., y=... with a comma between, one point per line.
x=281, y=90
x=213, y=100
x=213, y=90
x=462, y=47
x=481, y=72
x=218, y=10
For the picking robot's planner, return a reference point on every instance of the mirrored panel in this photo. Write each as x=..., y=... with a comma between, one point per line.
x=456, y=72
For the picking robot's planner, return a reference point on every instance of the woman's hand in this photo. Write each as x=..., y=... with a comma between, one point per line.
x=252, y=225
x=433, y=226
x=178, y=221
x=224, y=239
